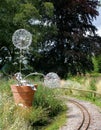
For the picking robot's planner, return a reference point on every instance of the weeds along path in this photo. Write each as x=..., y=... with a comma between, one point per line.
x=82, y=115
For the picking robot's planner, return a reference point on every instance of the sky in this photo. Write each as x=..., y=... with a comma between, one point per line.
x=97, y=22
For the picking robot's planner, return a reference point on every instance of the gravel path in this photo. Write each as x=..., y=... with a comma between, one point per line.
x=74, y=116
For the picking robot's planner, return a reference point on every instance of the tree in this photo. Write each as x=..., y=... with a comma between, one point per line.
x=14, y=14
x=59, y=33
x=27, y=14
x=72, y=49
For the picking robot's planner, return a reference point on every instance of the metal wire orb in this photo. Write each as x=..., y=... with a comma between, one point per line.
x=52, y=80
x=22, y=38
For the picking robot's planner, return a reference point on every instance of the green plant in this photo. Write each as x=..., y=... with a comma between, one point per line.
x=97, y=63
x=92, y=85
x=46, y=107
x=57, y=122
x=5, y=85
x=46, y=98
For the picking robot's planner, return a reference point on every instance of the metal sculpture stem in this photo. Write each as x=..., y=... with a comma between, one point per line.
x=36, y=73
x=20, y=60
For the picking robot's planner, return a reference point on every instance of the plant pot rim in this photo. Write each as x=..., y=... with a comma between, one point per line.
x=15, y=85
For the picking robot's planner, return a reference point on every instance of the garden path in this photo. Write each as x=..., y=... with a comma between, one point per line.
x=74, y=116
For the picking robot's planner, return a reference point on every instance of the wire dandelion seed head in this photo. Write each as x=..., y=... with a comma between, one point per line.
x=52, y=80
x=22, y=39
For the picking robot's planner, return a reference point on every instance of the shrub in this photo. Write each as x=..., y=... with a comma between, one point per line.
x=46, y=98
x=97, y=63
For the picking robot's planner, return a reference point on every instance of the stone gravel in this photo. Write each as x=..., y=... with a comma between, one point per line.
x=74, y=116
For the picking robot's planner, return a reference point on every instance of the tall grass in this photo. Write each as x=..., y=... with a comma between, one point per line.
x=45, y=108
x=46, y=98
x=89, y=82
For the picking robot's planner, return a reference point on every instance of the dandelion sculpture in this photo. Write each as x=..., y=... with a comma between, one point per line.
x=22, y=40
x=52, y=80
x=23, y=92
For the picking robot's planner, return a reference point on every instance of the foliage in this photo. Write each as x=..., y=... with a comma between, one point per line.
x=14, y=117
x=46, y=98
x=57, y=122
x=40, y=115
x=92, y=85
x=97, y=63
x=59, y=32
x=4, y=87
x=88, y=87
x=70, y=50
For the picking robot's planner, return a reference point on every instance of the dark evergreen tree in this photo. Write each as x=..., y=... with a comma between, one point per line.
x=70, y=49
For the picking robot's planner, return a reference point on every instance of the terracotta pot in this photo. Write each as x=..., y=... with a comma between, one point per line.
x=23, y=95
